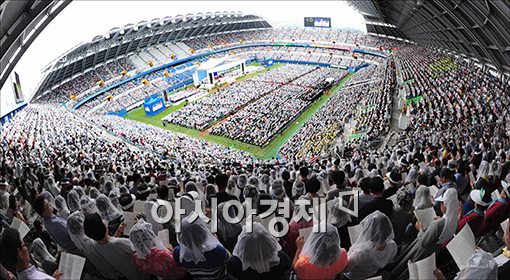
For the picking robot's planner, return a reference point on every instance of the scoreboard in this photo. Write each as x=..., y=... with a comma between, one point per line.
x=318, y=22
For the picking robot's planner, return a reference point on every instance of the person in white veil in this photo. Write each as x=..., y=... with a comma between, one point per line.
x=40, y=253
x=94, y=193
x=227, y=232
x=151, y=256
x=481, y=265
x=340, y=219
x=422, y=198
x=257, y=255
x=88, y=205
x=199, y=251
x=431, y=239
x=109, y=213
x=73, y=201
x=75, y=229
x=298, y=189
x=321, y=256
x=61, y=205
x=150, y=219
x=373, y=249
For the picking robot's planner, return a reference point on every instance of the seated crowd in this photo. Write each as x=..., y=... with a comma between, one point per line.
x=75, y=189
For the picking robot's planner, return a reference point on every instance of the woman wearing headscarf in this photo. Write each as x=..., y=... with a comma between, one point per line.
x=340, y=219
x=227, y=232
x=61, y=205
x=94, y=193
x=373, y=249
x=88, y=205
x=439, y=232
x=43, y=257
x=200, y=252
x=422, y=198
x=298, y=189
x=149, y=218
x=232, y=188
x=84, y=244
x=109, y=213
x=321, y=256
x=257, y=255
x=252, y=192
x=403, y=213
x=151, y=256
x=73, y=201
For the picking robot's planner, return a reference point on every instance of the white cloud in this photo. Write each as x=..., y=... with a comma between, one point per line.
x=80, y=21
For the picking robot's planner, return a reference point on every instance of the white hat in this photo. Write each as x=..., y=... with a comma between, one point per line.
x=476, y=196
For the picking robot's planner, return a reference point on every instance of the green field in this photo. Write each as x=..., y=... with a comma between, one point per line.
x=267, y=152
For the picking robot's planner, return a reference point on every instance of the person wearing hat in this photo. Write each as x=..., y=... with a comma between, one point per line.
x=475, y=217
x=127, y=202
x=393, y=183
x=497, y=211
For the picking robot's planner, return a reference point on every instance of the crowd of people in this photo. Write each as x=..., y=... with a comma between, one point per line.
x=87, y=83
x=87, y=185
x=201, y=114
x=367, y=105
x=261, y=121
x=452, y=98
x=75, y=188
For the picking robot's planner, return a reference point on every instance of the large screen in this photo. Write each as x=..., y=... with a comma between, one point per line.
x=317, y=22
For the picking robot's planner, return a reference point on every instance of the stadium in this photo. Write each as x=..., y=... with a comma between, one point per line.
x=296, y=149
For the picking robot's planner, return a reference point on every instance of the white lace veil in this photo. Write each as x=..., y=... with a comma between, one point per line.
x=40, y=252
x=423, y=198
x=106, y=209
x=225, y=229
x=75, y=229
x=451, y=202
x=376, y=230
x=73, y=201
x=143, y=238
x=195, y=239
x=61, y=205
x=337, y=216
x=322, y=248
x=257, y=250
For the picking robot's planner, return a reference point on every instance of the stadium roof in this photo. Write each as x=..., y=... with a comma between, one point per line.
x=478, y=29
x=22, y=21
x=121, y=41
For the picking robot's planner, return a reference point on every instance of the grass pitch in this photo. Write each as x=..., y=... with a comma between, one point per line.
x=268, y=152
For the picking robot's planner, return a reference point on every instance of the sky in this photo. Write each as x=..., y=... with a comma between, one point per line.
x=81, y=20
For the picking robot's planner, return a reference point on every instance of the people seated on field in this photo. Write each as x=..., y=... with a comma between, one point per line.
x=373, y=249
x=257, y=255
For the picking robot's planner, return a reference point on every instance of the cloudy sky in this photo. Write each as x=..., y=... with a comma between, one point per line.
x=81, y=20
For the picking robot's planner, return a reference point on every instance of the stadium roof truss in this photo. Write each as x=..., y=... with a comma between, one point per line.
x=21, y=23
x=477, y=29
x=121, y=41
